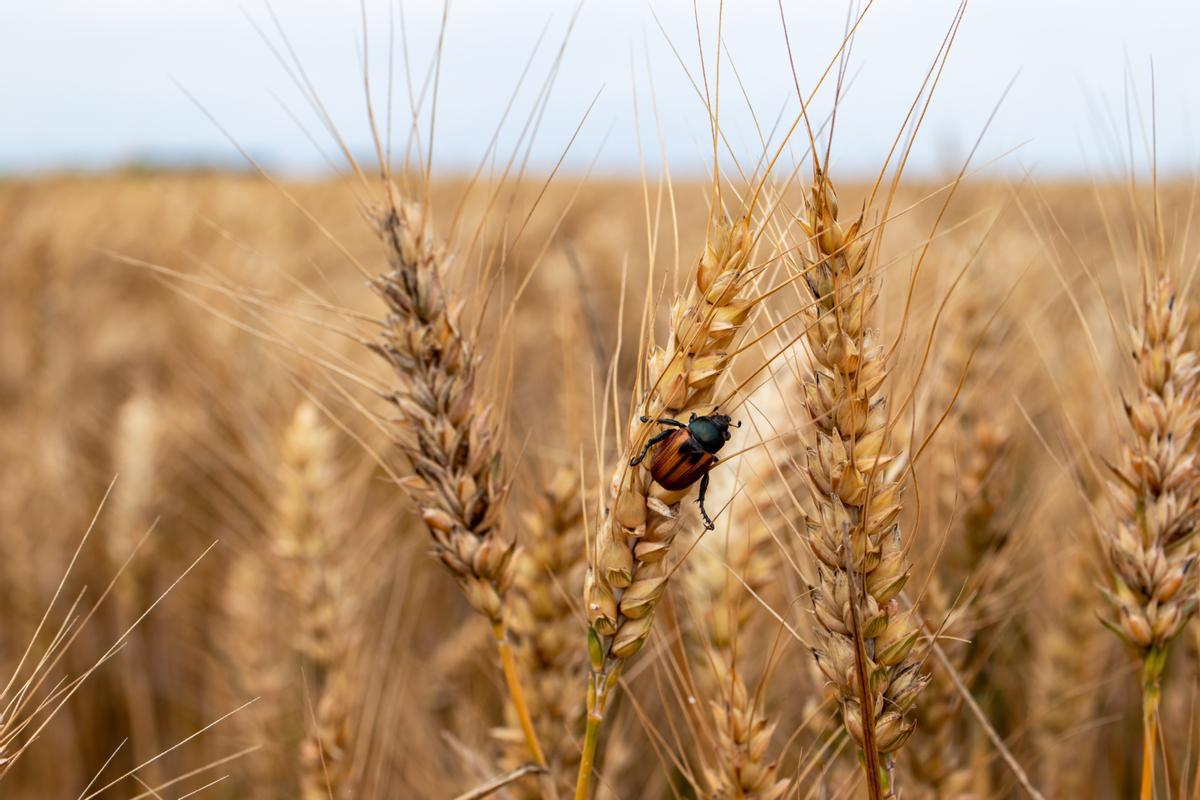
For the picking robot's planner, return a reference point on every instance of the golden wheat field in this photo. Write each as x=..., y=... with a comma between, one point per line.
x=785, y=483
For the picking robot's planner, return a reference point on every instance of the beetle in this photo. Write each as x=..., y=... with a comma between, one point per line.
x=687, y=452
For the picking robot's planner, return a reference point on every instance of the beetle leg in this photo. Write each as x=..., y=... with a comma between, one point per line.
x=653, y=441
x=692, y=450
x=674, y=423
x=708, y=523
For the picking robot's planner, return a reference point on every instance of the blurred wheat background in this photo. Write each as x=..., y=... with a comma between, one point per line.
x=217, y=498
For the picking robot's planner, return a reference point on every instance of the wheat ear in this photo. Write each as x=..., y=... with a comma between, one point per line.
x=445, y=426
x=719, y=579
x=1067, y=667
x=545, y=625
x=1155, y=489
x=864, y=644
x=628, y=566
x=308, y=549
x=963, y=597
x=138, y=459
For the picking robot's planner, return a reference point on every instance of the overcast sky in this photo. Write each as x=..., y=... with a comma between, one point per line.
x=99, y=83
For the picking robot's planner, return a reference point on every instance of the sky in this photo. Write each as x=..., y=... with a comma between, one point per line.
x=1057, y=87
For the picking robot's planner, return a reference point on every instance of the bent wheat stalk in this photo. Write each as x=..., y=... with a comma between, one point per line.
x=864, y=643
x=1155, y=491
x=628, y=566
x=445, y=427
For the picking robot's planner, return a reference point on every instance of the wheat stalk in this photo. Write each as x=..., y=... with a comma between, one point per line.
x=1155, y=490
x=864, y=644
x=628, y=565
x=445, y=426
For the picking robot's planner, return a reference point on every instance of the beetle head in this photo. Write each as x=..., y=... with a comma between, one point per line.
x=714, y=429
x=723, y=422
